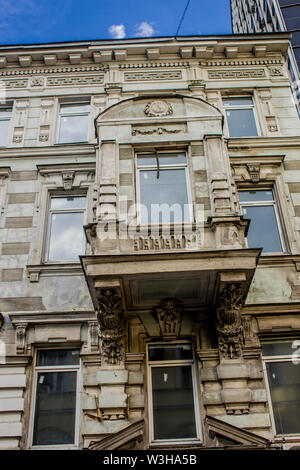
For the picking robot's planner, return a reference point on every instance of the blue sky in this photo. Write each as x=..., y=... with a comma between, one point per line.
x=40, y=21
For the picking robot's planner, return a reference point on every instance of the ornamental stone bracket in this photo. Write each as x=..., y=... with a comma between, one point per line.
x=169, y=317
x=21, y=344
x=229, y=322
x=110, y=317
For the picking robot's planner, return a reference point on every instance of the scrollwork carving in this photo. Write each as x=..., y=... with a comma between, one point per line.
x=158, y=108
x=169, y=317
x=111, y=325
x=229, y=324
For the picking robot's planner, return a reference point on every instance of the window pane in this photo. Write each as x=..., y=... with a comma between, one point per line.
x=238, y=101
x=4, y=129
x=57, y=357
x=66, y=237
x=168, y=190
x=73, y=129
x=74, y=108
x=55, y=408
x=284, y=382
x=278, y=348
x=164, y=159
x=170, y=352
x=241, y=122
x=263, y=230
x=71, y=202
x=173, y=403
x=256, y=196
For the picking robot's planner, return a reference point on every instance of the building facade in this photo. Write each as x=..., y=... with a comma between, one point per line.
x=150, y=245
x=255, y=16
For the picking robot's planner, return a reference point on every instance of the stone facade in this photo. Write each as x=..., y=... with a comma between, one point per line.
x=197, y=283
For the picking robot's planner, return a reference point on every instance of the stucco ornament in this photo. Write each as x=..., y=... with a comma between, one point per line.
x=169, y=317
x=229, y=324
x=158, y=108
x=111, y=325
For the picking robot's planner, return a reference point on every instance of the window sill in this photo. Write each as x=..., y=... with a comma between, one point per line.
x=178, y=444
x=53, y=269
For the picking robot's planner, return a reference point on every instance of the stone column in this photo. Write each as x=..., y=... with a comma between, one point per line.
x=226, y=220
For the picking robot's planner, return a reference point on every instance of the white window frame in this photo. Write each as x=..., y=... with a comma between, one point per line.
x=9, y=119
x=265, y=360
x=61, y=114
x=175, y=363
x=272, y=203
x=181, y=166
x=65, y=368
x=50, y=212
x=237, y=107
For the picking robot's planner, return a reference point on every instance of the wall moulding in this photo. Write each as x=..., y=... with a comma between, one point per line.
x=227, y=63
x=147, y=65
x=44, y=71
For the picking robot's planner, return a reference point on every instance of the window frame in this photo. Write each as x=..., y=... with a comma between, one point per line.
x=7, y=105
x=64, y=368
x=271, y=359
x=238, y=107
x=274, y=203
x=72, y=101
x=49, y=213
x=175, y=363
x=183, y=166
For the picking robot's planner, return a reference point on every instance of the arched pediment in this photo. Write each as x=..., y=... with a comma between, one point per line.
x=162, y=115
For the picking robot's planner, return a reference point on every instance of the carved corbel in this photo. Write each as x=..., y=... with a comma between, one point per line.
x=67, y=179
x=229, y=323
x=254, y=172
x=111, y=325
x=21, y=337
x=169, y=317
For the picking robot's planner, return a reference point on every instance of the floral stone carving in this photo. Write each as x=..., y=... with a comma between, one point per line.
x=169, y=317
x=111, y=325
x=229, y=324
x=158, y=108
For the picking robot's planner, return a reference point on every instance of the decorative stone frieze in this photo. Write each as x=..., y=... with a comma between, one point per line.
x=169, y=317
x=75, y=80
x=111, y=325
x=236, y=74
x=229, y=324
x=171, y=242
x=151, y=130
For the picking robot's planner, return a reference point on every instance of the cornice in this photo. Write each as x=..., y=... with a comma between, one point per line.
x=276, y=160
x=292, y=308
x=239, y=143
x=51, y=151
x=52, y=317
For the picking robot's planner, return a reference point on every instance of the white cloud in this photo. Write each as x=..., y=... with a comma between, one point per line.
x=145, y=30
x=117, y=31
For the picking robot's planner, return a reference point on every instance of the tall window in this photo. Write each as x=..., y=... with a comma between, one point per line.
x=241, y=117
x=73, y=121
x=65, y=241
x=282, y=367
x=5, y=117
x=173, y=402
x=56, y=390
x=163, y=188
x=264, y=230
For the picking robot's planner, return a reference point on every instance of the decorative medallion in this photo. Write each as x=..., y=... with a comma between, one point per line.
x=158, y=108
